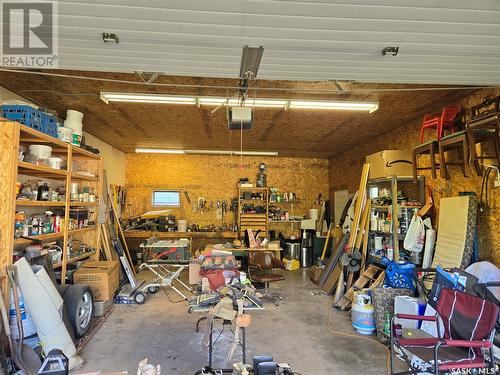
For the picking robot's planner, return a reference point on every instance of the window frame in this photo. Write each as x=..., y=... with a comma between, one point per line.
x=178, y=191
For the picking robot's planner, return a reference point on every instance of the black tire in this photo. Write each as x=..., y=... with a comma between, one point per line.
x=62, y=289
x=140, y=298
x=79, y=305
x=153, y=289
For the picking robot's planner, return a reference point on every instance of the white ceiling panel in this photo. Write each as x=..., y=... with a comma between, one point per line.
x=447, y=41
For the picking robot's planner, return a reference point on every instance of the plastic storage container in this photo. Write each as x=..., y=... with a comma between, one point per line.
x=32, y=117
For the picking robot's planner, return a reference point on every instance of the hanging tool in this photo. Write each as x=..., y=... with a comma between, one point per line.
x=223, y=208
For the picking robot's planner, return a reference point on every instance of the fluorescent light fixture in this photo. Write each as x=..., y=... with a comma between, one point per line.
x=146, y=98
x=146, y=150
x=355, y=106
x=228, y=152
x=234, y=102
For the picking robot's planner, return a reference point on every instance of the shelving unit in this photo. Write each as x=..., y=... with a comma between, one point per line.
x=393, y=236
x=12, y=135
x=254, y=221
x=290, y=204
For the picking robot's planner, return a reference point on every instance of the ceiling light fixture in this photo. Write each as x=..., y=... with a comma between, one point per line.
x=220, y=100
x=146, y=150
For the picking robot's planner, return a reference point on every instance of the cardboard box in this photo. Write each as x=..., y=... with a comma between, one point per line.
x=390, y=163
x=194, y=271
x=315, y=273
x=102, y=276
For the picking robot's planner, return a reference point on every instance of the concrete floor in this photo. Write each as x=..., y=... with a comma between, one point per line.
x=295, y=332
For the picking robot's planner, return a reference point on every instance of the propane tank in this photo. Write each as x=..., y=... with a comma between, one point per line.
x=363, y=315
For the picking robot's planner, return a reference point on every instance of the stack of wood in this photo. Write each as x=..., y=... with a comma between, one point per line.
x=113, y=245
x=351, y=250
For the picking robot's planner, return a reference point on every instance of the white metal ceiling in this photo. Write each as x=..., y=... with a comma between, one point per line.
x=441, y=41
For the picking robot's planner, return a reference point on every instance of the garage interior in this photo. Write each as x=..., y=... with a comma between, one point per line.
x=251, y=187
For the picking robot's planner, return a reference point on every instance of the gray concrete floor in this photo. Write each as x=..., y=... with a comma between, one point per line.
x=296, y=332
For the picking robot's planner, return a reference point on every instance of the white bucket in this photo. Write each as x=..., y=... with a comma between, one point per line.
x=55, y=163
x=74, y=120
x=73, y=188
x=65, y=134
x=41, y=151
x=181, y=225
x=77, y=138
x=29, y=328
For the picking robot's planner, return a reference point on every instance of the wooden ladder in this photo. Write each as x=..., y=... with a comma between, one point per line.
x=373, y=276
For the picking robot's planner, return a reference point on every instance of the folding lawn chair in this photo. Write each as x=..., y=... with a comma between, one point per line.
x=469, y=327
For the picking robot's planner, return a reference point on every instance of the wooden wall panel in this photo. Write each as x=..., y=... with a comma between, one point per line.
x=345, y=171
x=9, y=140
x=215, y=178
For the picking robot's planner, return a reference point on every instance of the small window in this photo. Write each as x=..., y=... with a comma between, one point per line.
x=166, y=198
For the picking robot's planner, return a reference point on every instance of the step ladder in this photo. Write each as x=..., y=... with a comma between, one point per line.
x=373, y=276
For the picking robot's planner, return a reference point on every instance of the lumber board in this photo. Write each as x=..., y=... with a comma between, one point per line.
x=366, y=236
x=332, y=261
x=332, y=280
x=358, y=208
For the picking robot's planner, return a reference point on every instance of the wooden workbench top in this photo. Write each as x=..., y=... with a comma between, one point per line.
x=147, y=234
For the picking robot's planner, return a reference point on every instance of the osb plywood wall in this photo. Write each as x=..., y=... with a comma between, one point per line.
x=215, y=178
x=345, y=171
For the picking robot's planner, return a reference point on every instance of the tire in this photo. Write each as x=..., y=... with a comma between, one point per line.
x=153, y=289
x=79, y=304
x=62, y=289
x=140, y=298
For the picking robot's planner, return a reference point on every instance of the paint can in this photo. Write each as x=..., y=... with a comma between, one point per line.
x=76, y=138
x=65, y=134
x=55, y=162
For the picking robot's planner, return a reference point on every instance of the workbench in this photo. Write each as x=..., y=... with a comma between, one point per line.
x=162, y=235
x=198, y=239
x=243, y=251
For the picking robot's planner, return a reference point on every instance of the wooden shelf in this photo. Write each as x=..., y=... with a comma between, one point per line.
x=74, y=259
x=51, y=236
x=284, y=221
x=80, y=231
x=40, y=170
x=83, y=204
x=77, y=176
x=25, y=202
x=13, y=135
x=41, y=237
x=31, y=136
x=285, y=202
x=262, y=201
x=82, y=152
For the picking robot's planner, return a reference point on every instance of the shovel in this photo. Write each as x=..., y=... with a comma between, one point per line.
x=25, y=357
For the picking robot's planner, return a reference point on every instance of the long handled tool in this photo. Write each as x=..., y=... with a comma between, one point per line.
x=6, y=327
x=26, y=357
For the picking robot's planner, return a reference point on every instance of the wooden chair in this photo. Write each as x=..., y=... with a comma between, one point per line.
x=440, y=123
x=484, y=127
x=430, y=148
x=453, y=142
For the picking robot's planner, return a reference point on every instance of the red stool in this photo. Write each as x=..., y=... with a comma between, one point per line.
x=440, y=123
